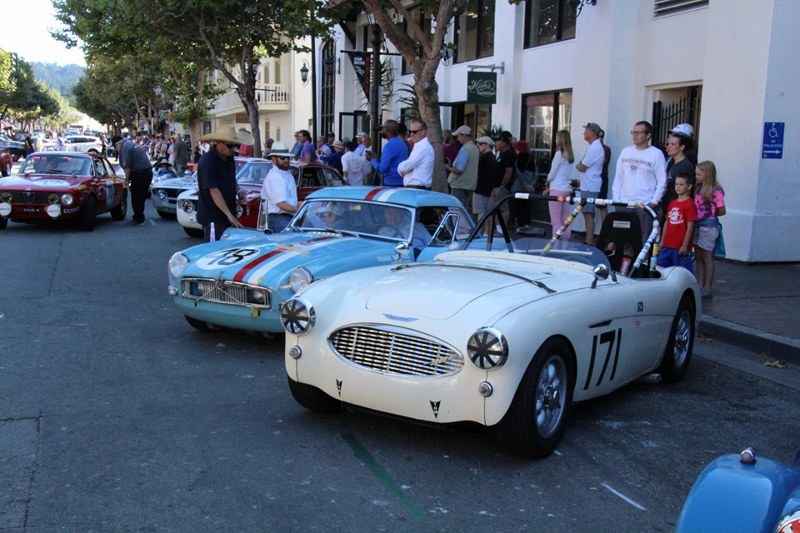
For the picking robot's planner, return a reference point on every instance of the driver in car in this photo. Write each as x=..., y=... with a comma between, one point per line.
x=398, y=222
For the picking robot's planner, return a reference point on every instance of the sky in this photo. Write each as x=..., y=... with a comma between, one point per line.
x=26, y=32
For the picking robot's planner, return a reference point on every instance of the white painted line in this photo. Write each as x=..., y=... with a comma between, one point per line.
x=619, y=494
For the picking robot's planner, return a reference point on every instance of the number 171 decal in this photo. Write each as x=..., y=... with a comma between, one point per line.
x=613, y=339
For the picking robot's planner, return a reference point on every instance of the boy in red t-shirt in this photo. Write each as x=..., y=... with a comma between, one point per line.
x=676, y=244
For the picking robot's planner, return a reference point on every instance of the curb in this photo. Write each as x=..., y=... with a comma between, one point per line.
x=776, y=346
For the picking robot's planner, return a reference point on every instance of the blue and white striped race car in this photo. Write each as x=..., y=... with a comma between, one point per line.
x=241, y=280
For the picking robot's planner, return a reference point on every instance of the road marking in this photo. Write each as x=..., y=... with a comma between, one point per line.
x=383, y=476
x=619, y=494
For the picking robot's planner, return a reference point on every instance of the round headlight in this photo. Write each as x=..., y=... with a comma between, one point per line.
x=297, y=316
x=187, y=206
x=239, y=210
x=487, y=348
x=6, y=197
x=176, y=264
x=161, y=193
x=67, y=199
x=299, y=279
x=53, y=199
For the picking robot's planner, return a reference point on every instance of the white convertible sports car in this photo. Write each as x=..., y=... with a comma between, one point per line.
x=507, y=340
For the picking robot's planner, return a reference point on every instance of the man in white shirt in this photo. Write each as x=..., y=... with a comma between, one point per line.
x=591, y=169
x=641, y=174
x=417, y=170
x=352, y=165
x=279, y=191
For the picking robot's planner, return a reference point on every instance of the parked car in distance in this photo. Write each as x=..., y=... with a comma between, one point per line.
x=744, y=493
x=241, y=280
x=309, y=178
x=15, y=146
x=83, y=143
x=62, y=187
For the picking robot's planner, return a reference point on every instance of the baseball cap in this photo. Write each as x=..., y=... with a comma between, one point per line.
x=683, y=129
x=594, y=126
x=485, y=140
x=463, y=130
x=504, y=136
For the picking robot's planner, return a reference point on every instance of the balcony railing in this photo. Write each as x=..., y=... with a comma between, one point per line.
x=267, y=96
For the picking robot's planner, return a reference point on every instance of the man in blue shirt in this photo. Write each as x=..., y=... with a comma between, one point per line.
x=138, y=172
x=395, y=152
x=216, y=179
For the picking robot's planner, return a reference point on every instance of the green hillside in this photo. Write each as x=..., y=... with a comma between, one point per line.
x=62, y=78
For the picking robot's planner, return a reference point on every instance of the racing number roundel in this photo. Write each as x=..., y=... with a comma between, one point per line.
x=225, y=258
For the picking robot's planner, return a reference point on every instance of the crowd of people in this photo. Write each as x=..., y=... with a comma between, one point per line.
x=484, y=171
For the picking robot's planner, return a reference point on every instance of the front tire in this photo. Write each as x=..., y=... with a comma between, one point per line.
x=3, y=223
x=88, y=216
x=312, y=398
x=6, y=171
x=536, y=420
x=121, y=210
x=202, y=326
x=680, y=344
x=193, y=232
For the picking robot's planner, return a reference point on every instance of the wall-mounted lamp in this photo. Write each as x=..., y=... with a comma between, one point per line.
x=577, y=5
x=304, y=70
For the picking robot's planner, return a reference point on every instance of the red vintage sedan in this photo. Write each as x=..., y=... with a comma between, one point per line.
x=63, y=186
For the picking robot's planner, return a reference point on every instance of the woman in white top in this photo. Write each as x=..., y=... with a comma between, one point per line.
x=558, y=181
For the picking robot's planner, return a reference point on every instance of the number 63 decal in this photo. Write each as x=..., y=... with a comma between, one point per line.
x=612, y=339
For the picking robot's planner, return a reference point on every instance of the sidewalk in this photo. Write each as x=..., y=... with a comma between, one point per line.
x=756, y=306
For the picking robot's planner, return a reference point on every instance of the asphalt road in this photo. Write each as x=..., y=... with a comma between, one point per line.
x=116, y=415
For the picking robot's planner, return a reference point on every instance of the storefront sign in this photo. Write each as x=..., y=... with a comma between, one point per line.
x=481, y=87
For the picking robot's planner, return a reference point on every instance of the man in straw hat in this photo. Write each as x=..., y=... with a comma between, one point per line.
x=216, y=179
x=279, y=191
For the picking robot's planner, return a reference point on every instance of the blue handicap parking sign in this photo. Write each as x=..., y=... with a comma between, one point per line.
x=772, y=144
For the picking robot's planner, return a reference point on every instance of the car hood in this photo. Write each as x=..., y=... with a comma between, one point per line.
x=267, y=260
x=41, y=181
x=476, y=283
x=183, y=182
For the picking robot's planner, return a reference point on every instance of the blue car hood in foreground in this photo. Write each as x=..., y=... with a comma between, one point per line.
x=733, y=496
x=267, y=260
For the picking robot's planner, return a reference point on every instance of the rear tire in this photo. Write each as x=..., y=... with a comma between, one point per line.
x=88, y=216
x=193, y=232
x=536, y=420
x=202, y=326
x=312, y=398
x=680, y=344
x=121, y=210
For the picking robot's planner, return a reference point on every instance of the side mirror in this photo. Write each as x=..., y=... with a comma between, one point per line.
x=401, y=250
x=600, y=272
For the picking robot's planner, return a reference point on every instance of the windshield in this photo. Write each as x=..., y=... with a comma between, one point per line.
x=570, y=251
x=56, y=164
x=253, y=172
x=365, y=218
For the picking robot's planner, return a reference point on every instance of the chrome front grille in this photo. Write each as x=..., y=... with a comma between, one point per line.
x=390, y=350
x=226, y=292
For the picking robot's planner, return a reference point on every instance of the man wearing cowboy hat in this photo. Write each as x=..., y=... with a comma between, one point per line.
x=216, y=179
x=279, y=191
x=134, y=161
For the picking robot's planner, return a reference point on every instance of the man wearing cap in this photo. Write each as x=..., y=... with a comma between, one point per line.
x=216, y=179
x=591, y=171
x=417, y=170
x=279, y=191
x=395, y=151
x=464, y=171
x=134, y=161
x=335, y=159
x=641, y=174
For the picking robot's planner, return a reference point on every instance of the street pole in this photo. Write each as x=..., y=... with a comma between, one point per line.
x=313, y=91
x=374, y=95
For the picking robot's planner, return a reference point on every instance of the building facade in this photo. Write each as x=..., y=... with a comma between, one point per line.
x=724, y=66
